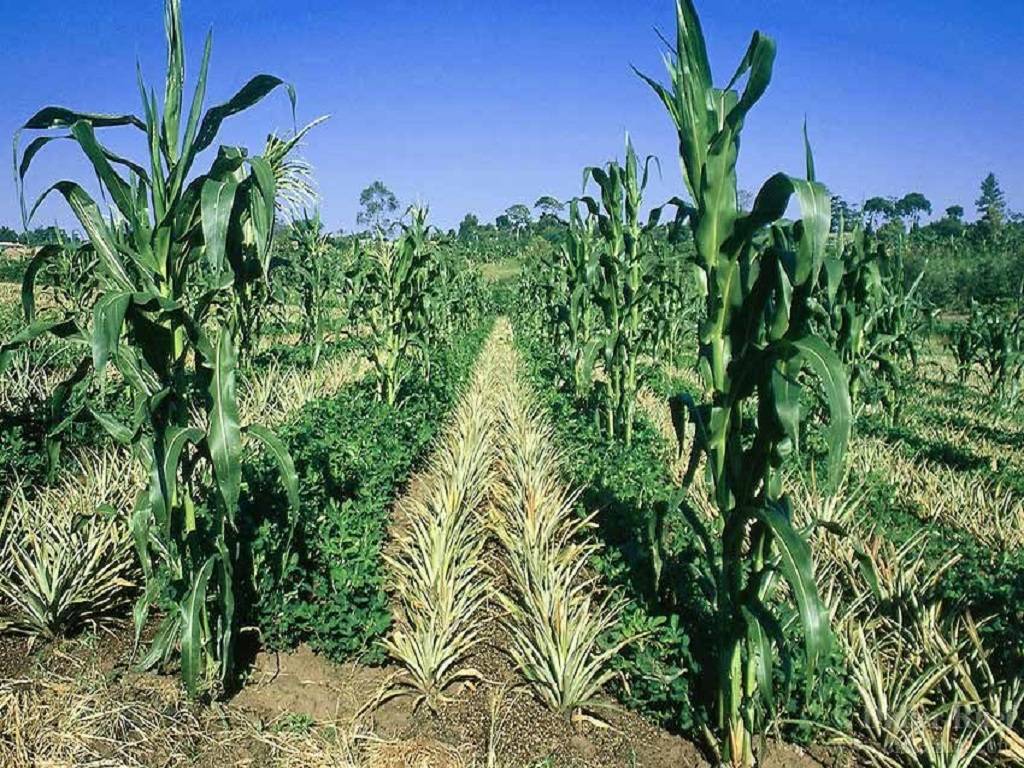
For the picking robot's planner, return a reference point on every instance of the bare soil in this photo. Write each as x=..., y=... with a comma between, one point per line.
x=15, y=658
x=292, y=702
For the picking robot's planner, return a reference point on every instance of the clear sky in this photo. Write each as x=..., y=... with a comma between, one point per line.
x=473, y=106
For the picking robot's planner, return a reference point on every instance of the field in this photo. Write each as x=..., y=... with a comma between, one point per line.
x=719, y=482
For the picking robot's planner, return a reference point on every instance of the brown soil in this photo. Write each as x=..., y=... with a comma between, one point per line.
x=498, y=712
x=15, y=658
x=293, y=702
x=302, y=683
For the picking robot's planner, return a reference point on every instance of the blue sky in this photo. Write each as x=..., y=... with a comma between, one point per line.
x=473, y=106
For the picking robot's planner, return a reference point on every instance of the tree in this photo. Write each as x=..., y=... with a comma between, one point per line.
x=992, y=203
x=8, y=235
x=843, y=212
x=548, y=206
x=913, y=206
x=469, y=228
x=379, y=205
x=952, y=224
x=879, y=210
x=516, y=219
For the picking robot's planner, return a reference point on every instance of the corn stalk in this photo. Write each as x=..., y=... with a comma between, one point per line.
x=992, y=343
x=757, y=272
x=394, y=283
x=173, y=261
x=626, y=264
x=309, y=251
x=871, y=316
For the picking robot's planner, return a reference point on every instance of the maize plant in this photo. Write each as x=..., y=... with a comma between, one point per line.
x=757, y=273
x=395, y=280
x=292, y=186
x=674, y=307
x=992, y=342
x=623, y=290
x=309, y=251
x=871, y=317
x=568, y=278
x=964, y=343
x=459, y=291
x=171, y=263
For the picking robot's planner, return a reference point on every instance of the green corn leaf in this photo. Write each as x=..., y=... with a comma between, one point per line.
x=61, y=117
x=28, y=281
x=92, y=221
x=226, y=612
x=217, y=202
x=108, y=318
x=120, y=191
x=823, y=362
x=262, y=207
x=279, y=452
x=251, y=93
x=187, y=149
x=31, y=150
x=175, y=77
x=121, y=432
x=763, y=629
x=224, y=438
x=795, y=565
x=192, y=610
x=757, y=65
x=163, y=641
x=785, y=390
x=176, y=440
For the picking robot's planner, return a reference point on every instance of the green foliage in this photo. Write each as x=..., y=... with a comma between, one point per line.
x=378, y=206
x=172, y=268
x=965, y=263
x=411, y=294
x=307, y=264
x=607, y=295
x=319, y=577
x=657, y=668
x=757, y=272
x=991, y=203
x=871, y=317
x=991, y=343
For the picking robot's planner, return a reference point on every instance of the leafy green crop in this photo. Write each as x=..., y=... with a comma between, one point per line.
x=992, y=344
x=871, y=316
x=756, y=343
x=307, y=258
x=624, y=279
x=172, y=265
x=319, y=577
x=393, y=282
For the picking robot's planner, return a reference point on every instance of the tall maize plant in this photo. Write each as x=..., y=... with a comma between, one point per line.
x=756, y=344
x=394, y=280
x=170, y=261
x=626, y=264
x=567, y=281
x=307, y=259
x=871, y=316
